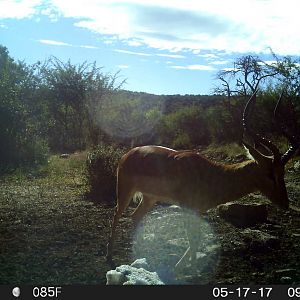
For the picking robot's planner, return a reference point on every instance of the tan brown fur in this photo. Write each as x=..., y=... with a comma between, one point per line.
x=188, y=179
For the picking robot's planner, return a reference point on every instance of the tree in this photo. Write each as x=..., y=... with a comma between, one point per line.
x=237, y=84
x=21, y=141
x=250, y=73
x=184, y=129
x=74, y=94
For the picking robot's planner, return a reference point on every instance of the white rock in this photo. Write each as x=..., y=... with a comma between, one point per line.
x=175, y=208
x=130, y=275
x=200, y=255
x=140, y=263
x=114, y=277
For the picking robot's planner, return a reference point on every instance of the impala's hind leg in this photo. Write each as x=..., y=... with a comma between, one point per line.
x=191, y=227
x=124, y=198
x=193, y=238
x=144, y=206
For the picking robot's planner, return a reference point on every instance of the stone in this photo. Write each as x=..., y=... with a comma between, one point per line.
x=243, y=214
x=286, y=280
x=260, y=241
x=135, y=274
x=175, y=208
x=286, y=272
x=114, y=277
x=140, y=263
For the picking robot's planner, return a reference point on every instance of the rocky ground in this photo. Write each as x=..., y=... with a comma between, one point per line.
x=265, y=252
x=51, y=235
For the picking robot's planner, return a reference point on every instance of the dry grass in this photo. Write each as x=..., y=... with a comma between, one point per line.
x=221, y=152
x=49, y=234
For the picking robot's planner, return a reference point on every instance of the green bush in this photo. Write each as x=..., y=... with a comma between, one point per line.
x=181, y=141
x=184, y=129
x=22, y=142
x=101, y=166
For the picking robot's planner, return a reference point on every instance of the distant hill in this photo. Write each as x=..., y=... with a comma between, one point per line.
x=172, y=103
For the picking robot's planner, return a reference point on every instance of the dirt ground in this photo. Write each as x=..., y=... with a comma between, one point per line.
x=51, y=235
x=266, y=253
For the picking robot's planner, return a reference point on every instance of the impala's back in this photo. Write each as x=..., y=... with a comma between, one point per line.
x=163, y=174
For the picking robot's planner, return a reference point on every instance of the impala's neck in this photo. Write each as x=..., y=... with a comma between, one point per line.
x=236, y=181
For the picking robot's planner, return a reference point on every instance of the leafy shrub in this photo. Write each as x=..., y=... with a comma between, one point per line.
x=22, y=141
x=101, y=166
x=181, y=141
x=183, y=129
x=221, y=152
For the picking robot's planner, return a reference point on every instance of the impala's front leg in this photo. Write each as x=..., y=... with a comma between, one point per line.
x=191, y=252
x=192, y=235
x=183, y=260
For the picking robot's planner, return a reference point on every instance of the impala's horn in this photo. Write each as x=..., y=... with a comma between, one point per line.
x=258, y=140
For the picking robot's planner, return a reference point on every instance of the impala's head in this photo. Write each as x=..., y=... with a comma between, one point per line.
x=270, y=175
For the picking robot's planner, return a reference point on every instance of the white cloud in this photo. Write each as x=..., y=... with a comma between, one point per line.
x=171, y=55
x=149, y=54
x=59, y=43
x=177, y=25
x=54, y=43
x=88, y=47
x=219, y=62
x=123, y=66
x=12, y=9
x=134, y=43
x=270, y=62
x=208, y=55
x=132, y=52
x=194, y=68
x=52, y=13
x=219, y=25
x=230, y=69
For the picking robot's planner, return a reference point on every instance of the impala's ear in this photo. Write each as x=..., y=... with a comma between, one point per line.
x=256, y=155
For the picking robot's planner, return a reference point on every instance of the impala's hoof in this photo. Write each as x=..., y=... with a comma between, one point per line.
x=179, y=267
x=110, y=261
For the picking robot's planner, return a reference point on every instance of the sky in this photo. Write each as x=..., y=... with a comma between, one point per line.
x=158, y=46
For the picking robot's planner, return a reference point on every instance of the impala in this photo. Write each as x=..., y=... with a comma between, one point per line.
x=188, y=179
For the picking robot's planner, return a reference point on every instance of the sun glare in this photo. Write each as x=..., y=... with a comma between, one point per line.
x=162, y=240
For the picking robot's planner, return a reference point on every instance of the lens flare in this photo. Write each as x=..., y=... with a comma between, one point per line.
x=122, y=118
x=162, y=240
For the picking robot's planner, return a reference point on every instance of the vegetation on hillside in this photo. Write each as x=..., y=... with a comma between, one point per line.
x=55, y=107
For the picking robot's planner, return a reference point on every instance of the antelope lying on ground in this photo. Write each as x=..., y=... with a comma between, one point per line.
x=188, y=179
